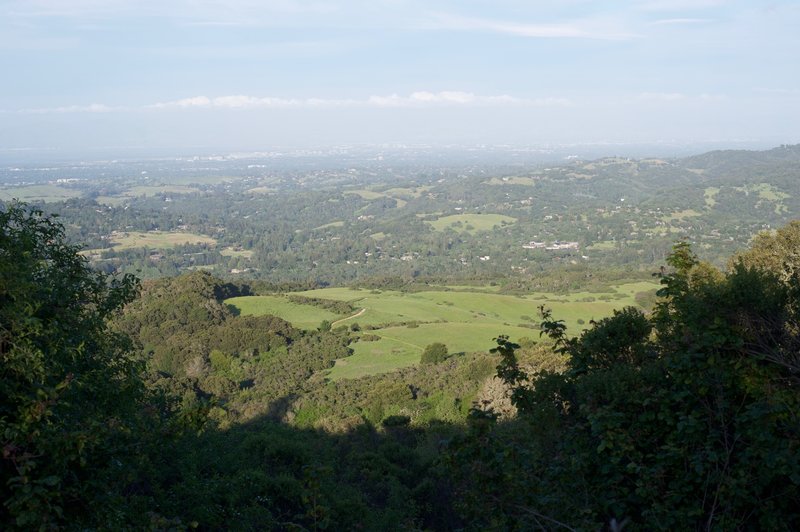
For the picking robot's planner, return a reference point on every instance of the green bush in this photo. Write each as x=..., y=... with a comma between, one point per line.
x=70, y=393
x=434, y=353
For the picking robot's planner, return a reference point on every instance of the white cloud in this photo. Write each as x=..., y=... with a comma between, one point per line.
x=220, y=11
x=415, y=99
x=681, y=5
x=679, y=21
x=679, y=96
x=195, y=101
x=92, y=108
x=581, y=29
x=662, y=96
x=242, y=102
x=777, y=91
x=236, y=101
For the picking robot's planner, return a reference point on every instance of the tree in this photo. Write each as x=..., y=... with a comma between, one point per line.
x=684, y=419
x=777, y=252
x=69, y=390
x=434, y=353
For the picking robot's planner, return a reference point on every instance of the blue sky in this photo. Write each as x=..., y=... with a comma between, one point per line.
x=247, y=74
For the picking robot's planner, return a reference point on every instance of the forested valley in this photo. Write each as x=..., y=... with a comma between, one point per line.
x=309, y=357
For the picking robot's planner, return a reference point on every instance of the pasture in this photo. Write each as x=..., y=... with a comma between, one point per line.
x=154, y=190
x=301, y=316
x=236, y=252
x=337, y=223
x=157, y=240
x=38, y=193
x=465, y=321
x=710, y=196
x=681, y=215
x=373, y=195
x=471, y=222
x=513, y=180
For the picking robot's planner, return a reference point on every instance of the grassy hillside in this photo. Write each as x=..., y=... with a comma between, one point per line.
x=301, y=316
x=465, y=321
x=471, y=222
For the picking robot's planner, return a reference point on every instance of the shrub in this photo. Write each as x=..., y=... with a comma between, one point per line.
x=434, y=353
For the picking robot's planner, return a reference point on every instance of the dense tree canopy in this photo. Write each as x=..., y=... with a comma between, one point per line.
x=693, y=426
x=683, y=418
x=69, y=390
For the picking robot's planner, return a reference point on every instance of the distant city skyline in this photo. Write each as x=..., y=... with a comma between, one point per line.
x=83, y=75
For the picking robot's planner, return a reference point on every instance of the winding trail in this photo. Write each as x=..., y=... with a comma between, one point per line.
x=398, y=340
x=357, y=314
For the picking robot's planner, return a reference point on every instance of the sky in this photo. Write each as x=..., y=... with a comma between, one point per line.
x=253, y=75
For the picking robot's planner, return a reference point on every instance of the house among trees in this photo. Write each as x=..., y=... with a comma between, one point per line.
x=534, y=245
x=558, y=245
x=555, y=246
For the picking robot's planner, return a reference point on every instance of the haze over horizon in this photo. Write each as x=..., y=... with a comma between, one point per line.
x=246, y=75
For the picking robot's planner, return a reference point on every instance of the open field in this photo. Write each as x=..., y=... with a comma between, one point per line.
x=471, y=222
x=337, y=223
x=38, y=193
x=144, y=191
x=603, y=245
x=199, y=180
x=681, y=215
x=113, y=201
x=157, y=240
x=516, y=180
x=766, y=191
x=366, y=194
x=153, y=190
x=301, y=316
x=401, y=347
x=372, y=195
x=261, y=190
x=233, y=252
x=463, y=320
x=413, y=192
x=710, y=196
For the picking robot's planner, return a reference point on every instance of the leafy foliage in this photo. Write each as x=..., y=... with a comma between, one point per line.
x=778, y=253
x=70, y=397
x=680, y=420
x=434, y=353
x=685, y=418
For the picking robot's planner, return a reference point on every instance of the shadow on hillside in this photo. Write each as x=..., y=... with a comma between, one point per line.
x=267, y=475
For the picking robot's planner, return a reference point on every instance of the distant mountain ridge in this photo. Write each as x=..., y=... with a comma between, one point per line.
x=721, y=162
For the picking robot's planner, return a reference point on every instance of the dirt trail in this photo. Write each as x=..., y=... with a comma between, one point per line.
x=357, y=314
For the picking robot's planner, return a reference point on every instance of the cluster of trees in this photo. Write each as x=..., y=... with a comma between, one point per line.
x=339, y=307
x=115, y=397
x=683, y=419
x=72, y=401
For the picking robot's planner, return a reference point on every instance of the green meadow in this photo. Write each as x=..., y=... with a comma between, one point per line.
x=301, y=316
x=710, y=196
x=413, y=192
x=35, y=193
x=514, y=180
x=153, y=190
x=156, y=240
x=337, y=223
x=681, y=215
x=372, y=195
x=471, y=222
x=236, y=252
x=465, y=321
